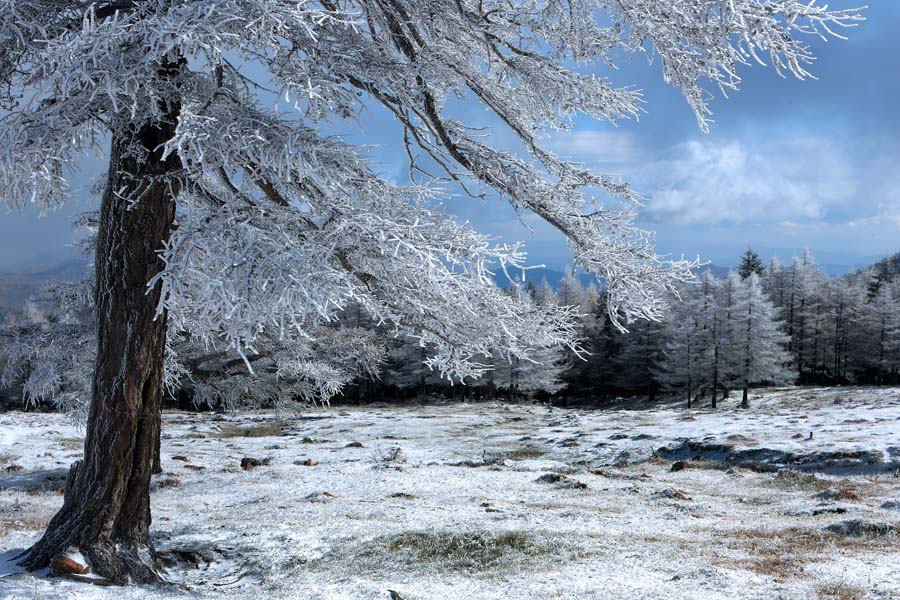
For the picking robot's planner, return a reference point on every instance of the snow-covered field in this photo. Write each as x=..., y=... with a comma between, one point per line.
x=481, y=501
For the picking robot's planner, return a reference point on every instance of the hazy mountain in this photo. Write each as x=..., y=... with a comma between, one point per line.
x=553, y=276
x=17, y=287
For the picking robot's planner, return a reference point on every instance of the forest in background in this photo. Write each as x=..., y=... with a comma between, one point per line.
x=762, y=324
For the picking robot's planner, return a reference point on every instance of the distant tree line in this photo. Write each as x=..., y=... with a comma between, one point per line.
x=772, y=324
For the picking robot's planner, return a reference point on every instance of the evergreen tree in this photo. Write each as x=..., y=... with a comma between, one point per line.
x=685, y=357
x=750, y=263
x=755, y=344
x=712, y=314
x=597, y=372
x=570, y=292
x=642, y=349
x=545, y=295
x=882, y=333
x=804, y=283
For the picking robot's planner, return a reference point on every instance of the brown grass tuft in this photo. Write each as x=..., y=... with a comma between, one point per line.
x=250, y=431
x=840, y=591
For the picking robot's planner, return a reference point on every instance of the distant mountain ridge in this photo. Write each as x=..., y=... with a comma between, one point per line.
x=537, y=275
x=16, y=288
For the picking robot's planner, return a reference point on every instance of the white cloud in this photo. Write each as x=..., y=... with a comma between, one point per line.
x=711, y=182
x=597, y=148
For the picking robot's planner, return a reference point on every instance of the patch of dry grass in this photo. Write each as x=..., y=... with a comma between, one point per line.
x=778, y=568
x=525, y=453
x=72, y=443
x=792, y=541
x=847, y=489
x=467, y=552
x=840, y=591
x=249, y=431
x=463, y=551
x=797, y=481
x=23, y=523
x=781, y=553
x=848, y=492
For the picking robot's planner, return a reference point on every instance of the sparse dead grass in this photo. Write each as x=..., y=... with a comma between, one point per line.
x=587, y=508
x=463, y=551
x=848, y=492
x=165, y=482
x=853, y=490
x=525, y=453
x=781, y=553
x=23, y=523
x=72, y=443
x=701, y=462
x=797, y=481
x=778, y=568
x=743, y=440
x=249, y=431
x=43, y=491
x=840, y=591
x=792, y=541
x=468, y=552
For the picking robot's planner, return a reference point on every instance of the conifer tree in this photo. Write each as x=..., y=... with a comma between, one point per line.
x=750, y=263
x=755, y=342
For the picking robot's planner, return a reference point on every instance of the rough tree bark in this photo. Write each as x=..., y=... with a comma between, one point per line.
x=156, y=466
x=106, y=511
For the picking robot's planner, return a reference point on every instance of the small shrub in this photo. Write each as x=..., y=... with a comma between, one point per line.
x=795, y=480
x=475, y=551
x=166, y=482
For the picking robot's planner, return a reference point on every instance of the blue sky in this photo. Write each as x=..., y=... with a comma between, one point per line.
x=787, y=164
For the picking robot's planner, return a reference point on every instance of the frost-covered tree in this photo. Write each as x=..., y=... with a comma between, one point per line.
x=755, y=344
x=687, y=345
x=773, y=281
x=52, y=353
x=250, y=222
x=595, y=372
x=711, y=315
x=641, y=351
x=727, y=366
x=545, y=295
x=51, y=350
x=570, y=292
x=804, y=280
x=724, y=334
x=541, y=374
x=884, y=325
x=405, y=366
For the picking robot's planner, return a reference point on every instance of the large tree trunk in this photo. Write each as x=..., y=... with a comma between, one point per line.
x=106, y=511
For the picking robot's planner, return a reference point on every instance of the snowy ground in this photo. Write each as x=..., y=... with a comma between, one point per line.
x=485, y=501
